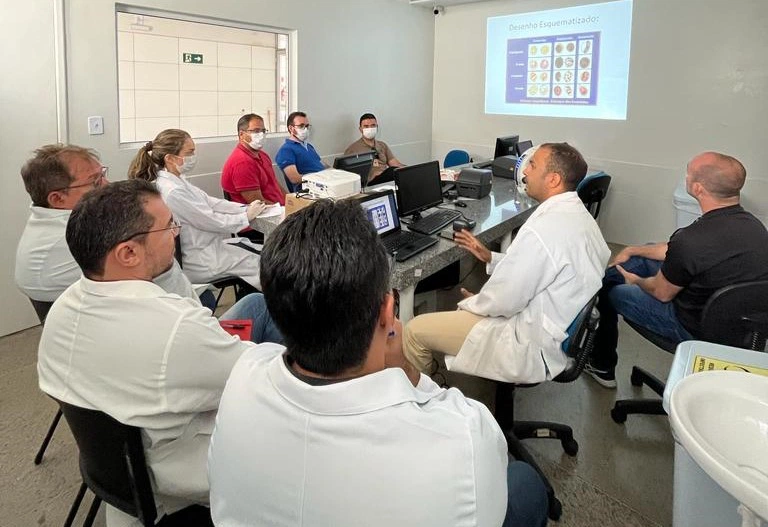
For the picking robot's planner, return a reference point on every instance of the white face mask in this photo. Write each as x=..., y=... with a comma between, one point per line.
x=301, y=133
x=370, y=133
x=189, y=164
x=257, y=140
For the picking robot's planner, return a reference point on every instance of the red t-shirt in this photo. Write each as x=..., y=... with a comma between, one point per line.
x=249, y=170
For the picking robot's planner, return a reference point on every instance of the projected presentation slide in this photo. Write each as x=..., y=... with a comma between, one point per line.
x=571, y=62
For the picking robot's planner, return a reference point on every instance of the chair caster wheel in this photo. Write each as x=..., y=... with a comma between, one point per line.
x=555, y=509
x=618, y=416
x=570, y=447
x=636, y=378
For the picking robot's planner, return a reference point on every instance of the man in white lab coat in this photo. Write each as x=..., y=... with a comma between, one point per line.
x=337, y=429
x=513, y=329
x=115, y=341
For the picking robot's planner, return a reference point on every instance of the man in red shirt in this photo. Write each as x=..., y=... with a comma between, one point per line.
x=248, y=174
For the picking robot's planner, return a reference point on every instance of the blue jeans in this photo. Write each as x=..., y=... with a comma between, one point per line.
x=630, y=301
x=253, y=307
x=527, y=502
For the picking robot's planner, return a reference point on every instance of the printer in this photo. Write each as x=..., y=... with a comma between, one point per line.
x=504, y=166
x=331, y=183
x=474, y=183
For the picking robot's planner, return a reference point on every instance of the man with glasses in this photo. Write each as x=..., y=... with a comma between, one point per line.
x=248, y=174
x=56, y=178
x=384, y=159
x=297, y=156
x=117, y=342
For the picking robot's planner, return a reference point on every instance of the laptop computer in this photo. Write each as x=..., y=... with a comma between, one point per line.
x=381, y=210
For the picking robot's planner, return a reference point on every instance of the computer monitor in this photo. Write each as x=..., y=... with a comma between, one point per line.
x=418, y=188
x=522, y=146
x=360, y=164
x=505, y=145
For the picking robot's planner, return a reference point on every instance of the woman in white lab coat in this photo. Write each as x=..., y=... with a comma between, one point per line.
x=208, y=251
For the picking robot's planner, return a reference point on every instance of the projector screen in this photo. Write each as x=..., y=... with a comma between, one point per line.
x=571, y=62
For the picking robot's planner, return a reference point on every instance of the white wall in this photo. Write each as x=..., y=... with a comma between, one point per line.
x=28, y=109
x=353, y=56
x=698, y=81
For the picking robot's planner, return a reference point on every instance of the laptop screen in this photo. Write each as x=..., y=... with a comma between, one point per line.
x=381, y=211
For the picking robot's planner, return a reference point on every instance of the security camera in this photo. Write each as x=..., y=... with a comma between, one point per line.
x=438, y=10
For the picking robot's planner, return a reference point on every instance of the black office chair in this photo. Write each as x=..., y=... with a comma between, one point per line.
x=254, y=236
x=113, y=467
x=592, y=191
x=240, y=286
x=42, y=309
x=580, y=345
x=735, y=315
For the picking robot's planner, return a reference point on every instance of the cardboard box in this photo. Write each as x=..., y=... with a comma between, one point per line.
x=294, y=202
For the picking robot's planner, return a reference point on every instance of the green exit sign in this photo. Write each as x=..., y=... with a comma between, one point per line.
x=193, y=58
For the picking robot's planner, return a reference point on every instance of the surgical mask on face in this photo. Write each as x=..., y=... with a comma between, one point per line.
x=370, y=133
x=257, y=141
x=188, y=165
x=301, y=133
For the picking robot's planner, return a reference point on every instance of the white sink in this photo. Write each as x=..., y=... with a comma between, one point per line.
x=721, y=418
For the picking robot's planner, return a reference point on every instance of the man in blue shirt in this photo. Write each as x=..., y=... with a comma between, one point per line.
x=297, y=157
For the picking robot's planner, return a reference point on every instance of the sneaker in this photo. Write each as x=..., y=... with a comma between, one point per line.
x=605, y=378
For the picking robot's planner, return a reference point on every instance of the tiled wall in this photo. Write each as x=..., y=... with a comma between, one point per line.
x=158, y=90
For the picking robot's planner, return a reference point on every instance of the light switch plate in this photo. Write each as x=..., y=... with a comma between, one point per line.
x=95, y=125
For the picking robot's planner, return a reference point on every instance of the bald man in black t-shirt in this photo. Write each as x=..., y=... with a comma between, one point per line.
x=664, y=287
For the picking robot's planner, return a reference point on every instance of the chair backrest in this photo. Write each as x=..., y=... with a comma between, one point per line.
x=455, y=157
x=592, y=192
x=581, y=341
x=290, y=186
x=112, y=461
x=737, y=315
x=41, y=308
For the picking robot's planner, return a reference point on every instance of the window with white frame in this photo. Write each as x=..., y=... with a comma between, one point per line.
x=196, y=75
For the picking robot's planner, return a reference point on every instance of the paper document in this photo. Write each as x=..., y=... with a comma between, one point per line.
x=272, y=210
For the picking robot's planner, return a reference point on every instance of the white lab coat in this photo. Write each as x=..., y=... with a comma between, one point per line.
x=207, y=222
x=149, y=359
x=373, y=451
x=553, y=267
x=45, y=267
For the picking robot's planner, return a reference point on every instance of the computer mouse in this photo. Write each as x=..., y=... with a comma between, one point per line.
x=459, y=204
x=462, y=224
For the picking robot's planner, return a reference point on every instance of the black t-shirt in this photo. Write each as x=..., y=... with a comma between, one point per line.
x=724, y=247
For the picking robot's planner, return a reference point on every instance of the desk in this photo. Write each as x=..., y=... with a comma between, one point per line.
x=498, y=215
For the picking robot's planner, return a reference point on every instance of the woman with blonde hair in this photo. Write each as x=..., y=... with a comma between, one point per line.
x=208, y=251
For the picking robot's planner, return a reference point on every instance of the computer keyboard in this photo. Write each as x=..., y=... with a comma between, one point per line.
x=401, y=239
x=434, y=222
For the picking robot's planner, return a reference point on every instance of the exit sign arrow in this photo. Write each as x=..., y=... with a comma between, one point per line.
x=193, y=58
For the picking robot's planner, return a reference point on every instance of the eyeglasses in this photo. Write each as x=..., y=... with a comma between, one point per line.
x=175, y=226
x=95, y=183
x=257, y=131
x=303, y=126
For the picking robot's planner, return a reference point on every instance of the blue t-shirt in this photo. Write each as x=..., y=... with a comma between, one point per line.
x=304, y=157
